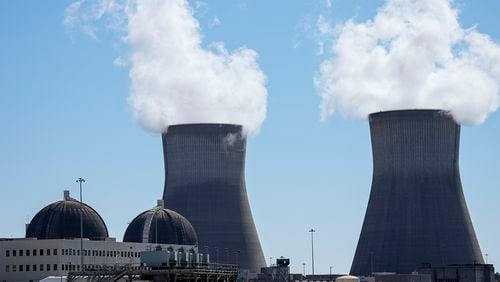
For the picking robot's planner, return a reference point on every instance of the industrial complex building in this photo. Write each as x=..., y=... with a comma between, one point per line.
x=416, y=229
x=53, y=246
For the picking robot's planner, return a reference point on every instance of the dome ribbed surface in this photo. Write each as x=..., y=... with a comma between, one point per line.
x=161, y=226
x=61, y=220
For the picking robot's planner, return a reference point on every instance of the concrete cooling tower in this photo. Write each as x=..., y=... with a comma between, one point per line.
x=416, y=211
x=205, y=182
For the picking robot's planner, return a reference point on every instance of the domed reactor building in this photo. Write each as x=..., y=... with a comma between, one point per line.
x=205, y=182
x=53, y=245
x=416, y=211
x=161, y=226
x=61, y=220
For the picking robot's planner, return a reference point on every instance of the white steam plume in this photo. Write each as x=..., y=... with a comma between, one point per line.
x=412, y=55
x=176, y=80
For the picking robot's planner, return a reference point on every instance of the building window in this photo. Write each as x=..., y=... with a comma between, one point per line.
x=55, y=267
x=48, y=252
x=48, y=267
x=34, y=254
x=14, y=268
x=21, y=253
x=41, y=252
x=14, y=253
x=27, y=267
x=7, y=268
x=27, y=253
x=55, y=252
x=34, y=267
x=78, y=252
x=66, y=252
x=7, y=253
x=41, y=267
x=21, y=268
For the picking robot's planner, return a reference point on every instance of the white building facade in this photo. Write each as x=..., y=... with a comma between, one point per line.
x=28, y=259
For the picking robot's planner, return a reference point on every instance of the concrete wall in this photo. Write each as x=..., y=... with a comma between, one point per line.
x=416, y=212
x=205, y=182
x=64, y=255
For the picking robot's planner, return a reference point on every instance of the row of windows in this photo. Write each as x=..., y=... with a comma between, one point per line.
x=29, y=267
x=122, y=254
x=28, y=253
x=71, y=252
x=47, y=267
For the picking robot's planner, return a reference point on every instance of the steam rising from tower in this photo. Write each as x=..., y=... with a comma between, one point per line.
x=205, y=182
x=417, y=212
x=411, y=55
x=177, y=78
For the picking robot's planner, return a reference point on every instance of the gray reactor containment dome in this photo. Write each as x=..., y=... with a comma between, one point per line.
x=416, y=212
x=61, y=220
x=161, y=226
x=205, y=182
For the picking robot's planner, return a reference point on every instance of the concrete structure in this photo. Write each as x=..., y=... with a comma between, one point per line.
x=392, y=277
x=205, y=182
x=161, y=225
x=32, y=260
x=61, y=220
x=277, y=272
x=416, y=212
x=52, y=246
x=461, y=273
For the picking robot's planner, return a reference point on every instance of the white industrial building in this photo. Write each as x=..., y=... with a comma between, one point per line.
x=59, y=231
x=27, y=259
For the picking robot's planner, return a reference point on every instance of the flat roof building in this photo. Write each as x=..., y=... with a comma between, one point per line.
x=28, y=259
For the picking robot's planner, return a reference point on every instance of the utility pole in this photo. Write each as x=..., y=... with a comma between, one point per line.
x=312, y=249
x=81, y=180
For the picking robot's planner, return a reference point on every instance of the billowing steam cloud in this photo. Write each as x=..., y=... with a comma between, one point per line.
x=176, y=80
x=412, y=55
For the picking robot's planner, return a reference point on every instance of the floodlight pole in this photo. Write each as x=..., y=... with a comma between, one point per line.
x=312, y=249
x=81, y=180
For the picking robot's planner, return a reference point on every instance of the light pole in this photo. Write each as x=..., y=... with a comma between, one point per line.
x=304, y=269
x=486, y=258
x=81, y=180
x=331, y=273
x=312, y=249
x=270, y=261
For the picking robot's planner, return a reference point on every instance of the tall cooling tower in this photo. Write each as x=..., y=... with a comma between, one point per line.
x=205, y=182
x=416, y=212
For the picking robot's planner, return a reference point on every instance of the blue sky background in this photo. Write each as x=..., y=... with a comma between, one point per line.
x=64, y=115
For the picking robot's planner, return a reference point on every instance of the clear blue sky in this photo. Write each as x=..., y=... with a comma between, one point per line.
x=64, y=115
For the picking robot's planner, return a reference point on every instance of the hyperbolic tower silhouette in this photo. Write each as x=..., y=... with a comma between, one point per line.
x=205, y=182
x=416, y=212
